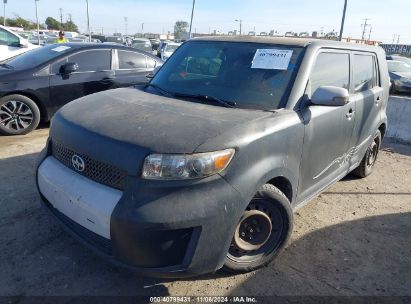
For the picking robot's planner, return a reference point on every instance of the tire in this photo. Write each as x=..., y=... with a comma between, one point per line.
x=18, y=115
x=367, y=163
x=268, y=204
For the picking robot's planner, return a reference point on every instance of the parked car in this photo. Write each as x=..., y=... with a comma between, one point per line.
x=168, y=50
x=143, y=44
x=36, y=84
x=203, y=167
x=400, y=76
x=155, y=44
x=12, y=44
x=399, y=58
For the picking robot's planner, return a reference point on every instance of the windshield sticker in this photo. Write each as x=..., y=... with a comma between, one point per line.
x=61, y=48
x=271, y=59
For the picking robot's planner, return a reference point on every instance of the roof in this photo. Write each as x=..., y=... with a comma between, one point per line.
x=91, y=45
x=301, y=42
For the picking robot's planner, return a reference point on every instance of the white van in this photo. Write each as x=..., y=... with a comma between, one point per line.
x=11, y=44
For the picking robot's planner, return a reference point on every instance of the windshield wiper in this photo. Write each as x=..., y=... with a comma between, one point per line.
x=161, y=90
x=5, y=65
x=226, y=103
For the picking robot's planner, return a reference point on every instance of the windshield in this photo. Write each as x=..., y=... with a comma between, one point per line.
x=171, y=47
x=399, y=67
x=37, y=56
x=237, y=72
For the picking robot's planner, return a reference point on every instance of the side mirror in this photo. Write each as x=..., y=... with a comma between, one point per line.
x=23, y=44
x=154, y=72
x=330, y=96
x=68, y=68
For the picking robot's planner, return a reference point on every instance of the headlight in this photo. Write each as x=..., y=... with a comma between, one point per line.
x=186, y=166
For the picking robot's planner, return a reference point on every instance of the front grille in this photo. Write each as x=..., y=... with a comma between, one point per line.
x=95, y=170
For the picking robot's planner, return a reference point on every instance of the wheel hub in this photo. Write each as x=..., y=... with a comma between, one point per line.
x=253, y=230
x=15, y=115
x=372, y=153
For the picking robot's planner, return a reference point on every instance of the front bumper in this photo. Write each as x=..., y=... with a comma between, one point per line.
x=159, y=228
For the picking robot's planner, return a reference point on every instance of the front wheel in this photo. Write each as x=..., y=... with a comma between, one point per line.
x=262, y=231
x=367, y=163
x=18, y=115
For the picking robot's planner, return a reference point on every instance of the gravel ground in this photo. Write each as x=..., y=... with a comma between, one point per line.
x=354, y=239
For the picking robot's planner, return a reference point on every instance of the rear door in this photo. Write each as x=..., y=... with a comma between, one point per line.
x=132, y=68
x=367, y=94
x=93, y=75
x=328, y=129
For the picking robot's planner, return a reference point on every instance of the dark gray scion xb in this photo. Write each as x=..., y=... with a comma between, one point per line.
x=203, y=168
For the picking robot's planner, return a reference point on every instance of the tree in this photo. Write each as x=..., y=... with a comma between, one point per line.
x=180, y=29
x=70, y=26
x=53, y=24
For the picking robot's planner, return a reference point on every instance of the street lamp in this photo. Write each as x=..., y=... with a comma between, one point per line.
x=191, y=22
x=88, y=23
x=4, y=12
x=343, y=20
x=38, y=25
x=241, y=24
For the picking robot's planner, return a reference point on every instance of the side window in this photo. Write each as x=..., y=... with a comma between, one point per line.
x=89, y=61
x=9, y=39
x=364, y=75
x=331, y=69
x=131, y=60
x=55, y=67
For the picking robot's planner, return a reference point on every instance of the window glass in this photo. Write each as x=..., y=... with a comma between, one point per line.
x=131, y=60
x=8, y=39
x=96, y=60
x=363, y=68
x=55, y=68
x=331, y=69
x=225, y=71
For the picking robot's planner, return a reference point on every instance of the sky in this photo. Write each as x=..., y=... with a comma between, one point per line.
x=387, y=17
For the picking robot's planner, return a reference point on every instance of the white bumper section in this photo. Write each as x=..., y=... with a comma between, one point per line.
x=86, y=202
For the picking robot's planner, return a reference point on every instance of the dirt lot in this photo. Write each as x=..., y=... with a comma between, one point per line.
x=354, y=239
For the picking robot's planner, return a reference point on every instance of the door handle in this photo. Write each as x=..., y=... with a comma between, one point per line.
x=377, y=101
x=350, y=114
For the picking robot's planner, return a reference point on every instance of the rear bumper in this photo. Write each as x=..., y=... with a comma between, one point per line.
x=162, y=229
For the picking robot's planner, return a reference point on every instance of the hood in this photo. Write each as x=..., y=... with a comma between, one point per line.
x=403, y=74
x=130, y=122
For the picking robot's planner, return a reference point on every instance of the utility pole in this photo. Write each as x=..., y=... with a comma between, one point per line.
x=61, y=17
x=4, y=12
x=393, y=39
x=343, y=20
x=364, y=25
x=37, y=20
x=142, y=29
x=125, y=24
x=398, y=39
x=69, y=15
x=191, y=21
x=88, y=22
x=369, y=34
x=241, y=24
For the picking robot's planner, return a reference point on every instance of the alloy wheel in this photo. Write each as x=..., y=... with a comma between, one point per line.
x=16, y=115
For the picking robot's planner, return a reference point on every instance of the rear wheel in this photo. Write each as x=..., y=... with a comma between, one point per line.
x=18, y=115
x=367, y=163
x=262, y=231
